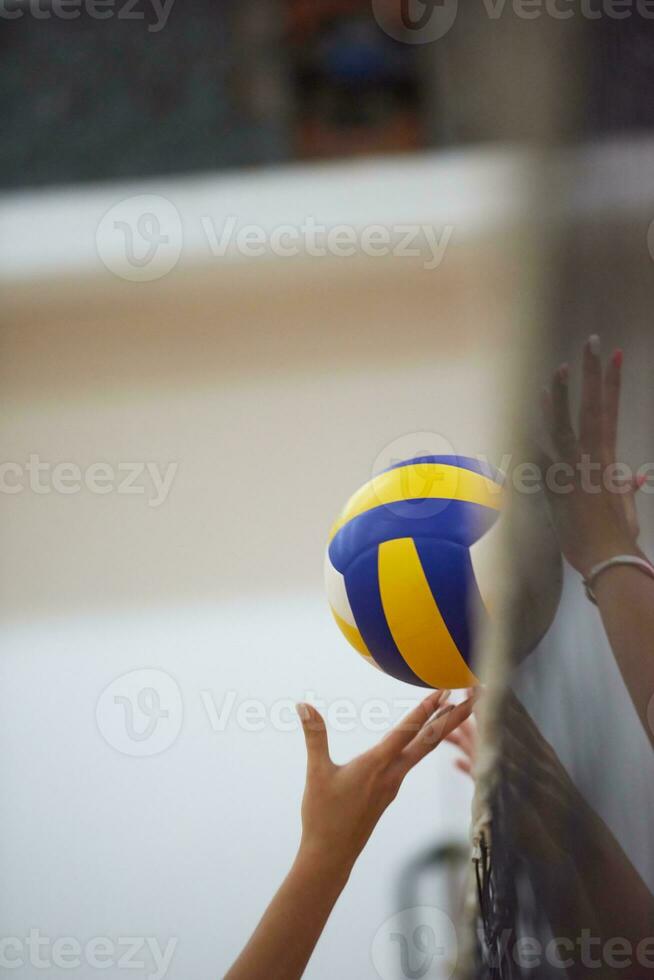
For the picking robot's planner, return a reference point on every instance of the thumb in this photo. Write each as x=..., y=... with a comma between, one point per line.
x=315, y=734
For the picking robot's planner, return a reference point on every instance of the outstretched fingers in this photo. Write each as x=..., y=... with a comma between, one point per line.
x=591, y=414
x=404, y=732
x=434, y=731
x=598, y=412
x=612, y=387
x=464, y=738
x=558, y=417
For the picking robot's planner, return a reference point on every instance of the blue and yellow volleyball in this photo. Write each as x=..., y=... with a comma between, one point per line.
x=400, y=567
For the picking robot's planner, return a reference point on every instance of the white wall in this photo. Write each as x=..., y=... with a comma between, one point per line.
x=189, y=844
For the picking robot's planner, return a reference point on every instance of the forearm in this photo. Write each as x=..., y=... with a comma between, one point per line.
x=624, y=909
x=625, y=597
x=285, y=938
x=340, y=809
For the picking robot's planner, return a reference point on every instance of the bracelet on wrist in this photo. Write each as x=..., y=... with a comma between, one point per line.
x=619, y=560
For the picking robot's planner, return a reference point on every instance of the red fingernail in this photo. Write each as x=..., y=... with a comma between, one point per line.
x=618, y=358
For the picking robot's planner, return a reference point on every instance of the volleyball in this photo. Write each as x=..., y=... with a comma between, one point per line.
x=407, y=569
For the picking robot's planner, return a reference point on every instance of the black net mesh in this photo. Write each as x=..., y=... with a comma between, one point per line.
x=565, y=862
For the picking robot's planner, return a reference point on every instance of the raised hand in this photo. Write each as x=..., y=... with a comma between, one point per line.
x=341, y=807
x=591, y=494
x=342, y=804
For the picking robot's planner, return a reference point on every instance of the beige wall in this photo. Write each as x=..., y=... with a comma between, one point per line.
x=274, y=386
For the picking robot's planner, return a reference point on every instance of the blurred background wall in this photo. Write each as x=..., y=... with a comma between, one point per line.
x=274, y=387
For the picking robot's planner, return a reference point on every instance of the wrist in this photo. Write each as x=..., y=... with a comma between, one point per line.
x=606, y=551
x=327, y=864
x=621, y=563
